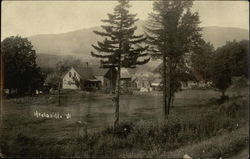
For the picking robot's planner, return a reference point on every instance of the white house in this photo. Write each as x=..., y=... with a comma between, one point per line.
x=89, y=78
x=76, y=76
x=68, y=80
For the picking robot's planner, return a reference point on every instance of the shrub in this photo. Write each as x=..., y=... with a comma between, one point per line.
x=171, y=130
x=123, y=130
x=229, y=109
x=233, y=108
x=142, y=133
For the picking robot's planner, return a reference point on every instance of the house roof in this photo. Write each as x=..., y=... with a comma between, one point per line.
x=90, y=72
x=85, y=72
x=97, y=71
x=63, y=74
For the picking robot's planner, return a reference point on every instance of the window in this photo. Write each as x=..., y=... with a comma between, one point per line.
x=69, y=74
x=74, y=74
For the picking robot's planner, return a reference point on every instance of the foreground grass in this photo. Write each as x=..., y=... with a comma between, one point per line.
x=197, y=126
x=242, y=154
x=224, y=146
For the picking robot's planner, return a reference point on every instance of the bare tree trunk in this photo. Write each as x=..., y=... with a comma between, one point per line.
x=59, y=100
x=117, y=98
x=169, y=84
x=169, y=103
x=164, y=89
x=223, y=94
x=172, y=101
x=111, y=82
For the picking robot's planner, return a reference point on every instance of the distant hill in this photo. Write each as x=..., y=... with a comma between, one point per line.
x=219, y=35
x=71, y=43
x=78, y=43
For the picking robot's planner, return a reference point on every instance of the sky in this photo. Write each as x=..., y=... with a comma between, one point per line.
x=27, y=18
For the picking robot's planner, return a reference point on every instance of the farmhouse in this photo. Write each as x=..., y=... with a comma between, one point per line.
x=95, y=78
x=77, y=77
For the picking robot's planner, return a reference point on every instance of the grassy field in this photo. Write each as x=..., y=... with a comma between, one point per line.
x=25, y=135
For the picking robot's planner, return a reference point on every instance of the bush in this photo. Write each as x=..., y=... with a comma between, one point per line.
x=142, y=133
x=230, y=109
x=123, y=130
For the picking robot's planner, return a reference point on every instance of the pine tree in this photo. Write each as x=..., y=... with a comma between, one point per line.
x=173, y=32
x=120, y=47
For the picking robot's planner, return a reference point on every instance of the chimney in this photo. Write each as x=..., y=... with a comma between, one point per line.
x=87, y=64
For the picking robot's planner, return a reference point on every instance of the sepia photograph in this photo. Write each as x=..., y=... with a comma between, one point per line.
x=124, y=79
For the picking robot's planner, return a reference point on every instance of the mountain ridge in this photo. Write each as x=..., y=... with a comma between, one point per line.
x=97, y=27
x=79, y=42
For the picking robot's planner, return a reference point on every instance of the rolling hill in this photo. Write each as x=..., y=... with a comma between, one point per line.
x=78, y=43
x=219, y=35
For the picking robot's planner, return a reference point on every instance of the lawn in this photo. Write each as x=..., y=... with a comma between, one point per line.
x=94, y=109
x=20, y=125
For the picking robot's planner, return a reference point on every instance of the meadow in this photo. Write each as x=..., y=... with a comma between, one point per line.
x=196, y=123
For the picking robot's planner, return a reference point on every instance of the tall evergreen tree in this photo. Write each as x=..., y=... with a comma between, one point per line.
x=120, y=47
x=173, y=32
